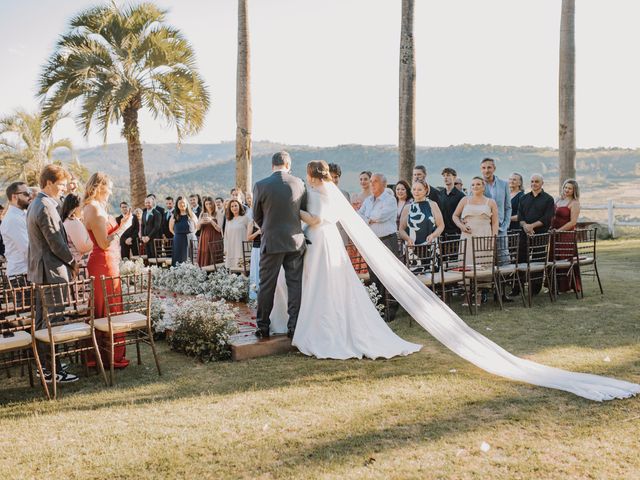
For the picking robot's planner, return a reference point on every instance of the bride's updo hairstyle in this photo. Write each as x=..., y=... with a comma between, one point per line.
x=94, y=183
x=319, y=169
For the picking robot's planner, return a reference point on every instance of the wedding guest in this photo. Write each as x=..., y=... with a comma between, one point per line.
x=156, y=205
x=420, y=174
x=166, y=217
x=49, y=258
x=449, y=199
x=498, y=190
x=236, y=194
x=365, y=185
x=248, y=204
x=477, y=216
x=565, y=219
x=130, y=239
x=379, y=210
x=516, y=190
x=14, y=232
x=182, y=224
x=239, y=227
x=72, y=187
x=535, y=213
x=403, y=197
x=336, y=172
x=1, y=242
x=254, y=266
x=210, y=231
x=151, y=226
x=78, y=237
x=104, y=259
x=220, y=209
x=459, y=185
x=421, y=221
x=195, y=203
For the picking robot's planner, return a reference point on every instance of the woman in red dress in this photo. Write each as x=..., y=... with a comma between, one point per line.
x=210, y=231
x=565, y=219
x=104, y=259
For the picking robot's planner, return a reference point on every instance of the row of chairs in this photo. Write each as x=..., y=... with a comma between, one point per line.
x=68, y=313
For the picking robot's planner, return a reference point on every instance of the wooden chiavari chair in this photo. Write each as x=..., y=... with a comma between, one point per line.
x=359, y=265
x=537, y=266
x=216, y=256
x=452, y=262
x=162, y=250
x=482, y=273
x=564, y=254
x=507, y=264
x=586, y=259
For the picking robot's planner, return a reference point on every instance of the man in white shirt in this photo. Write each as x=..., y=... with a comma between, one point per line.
x=14, y=230
x=380, y=210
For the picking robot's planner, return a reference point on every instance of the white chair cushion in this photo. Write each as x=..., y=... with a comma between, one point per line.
x=64, y=333
x=535, y=266
x=364, y=276
x=20, y=339
x=122, y=323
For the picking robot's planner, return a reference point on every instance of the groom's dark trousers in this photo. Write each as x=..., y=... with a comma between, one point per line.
x=269, y=270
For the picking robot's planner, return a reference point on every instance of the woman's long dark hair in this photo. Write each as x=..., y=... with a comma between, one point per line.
x=176, y=209
x=229, y=213
x=406, y=187
x=71, y=202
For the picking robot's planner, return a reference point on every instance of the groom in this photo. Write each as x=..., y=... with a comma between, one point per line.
x=277, y=201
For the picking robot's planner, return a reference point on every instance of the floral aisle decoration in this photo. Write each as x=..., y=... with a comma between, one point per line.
x=223, y=284
x=375, y=297
x=163, y=315
x=203, y=329
x=129, y=267
x=184, y=278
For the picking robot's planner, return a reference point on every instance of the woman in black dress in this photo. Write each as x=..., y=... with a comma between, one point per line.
x=517, y=192
x=182, y=223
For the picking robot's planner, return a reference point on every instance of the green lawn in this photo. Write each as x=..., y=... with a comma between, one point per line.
x=424, y=416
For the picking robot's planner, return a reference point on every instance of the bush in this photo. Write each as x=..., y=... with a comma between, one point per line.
x=203, y=329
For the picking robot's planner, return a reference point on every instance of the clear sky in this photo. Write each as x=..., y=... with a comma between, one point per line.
x=325, y=72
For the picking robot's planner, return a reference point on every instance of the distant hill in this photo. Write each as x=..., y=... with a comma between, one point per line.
x=210, y=168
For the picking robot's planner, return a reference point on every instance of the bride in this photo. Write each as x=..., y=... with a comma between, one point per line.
x=337, y=319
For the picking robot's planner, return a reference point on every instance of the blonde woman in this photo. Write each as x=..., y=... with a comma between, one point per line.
x=565, y=219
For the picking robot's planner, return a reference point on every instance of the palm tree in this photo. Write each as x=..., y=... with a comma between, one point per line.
x=25, y=148
x=114, y=61
x=243, y=102
x=567, y=95
x=407, y=123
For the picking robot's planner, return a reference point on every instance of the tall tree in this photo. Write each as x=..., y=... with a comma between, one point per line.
x=243, y=101
x=407, y=120
x=25, y=147
x=113, y=62
x=567, y=92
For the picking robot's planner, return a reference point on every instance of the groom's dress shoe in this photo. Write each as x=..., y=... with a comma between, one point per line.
x=261, y=333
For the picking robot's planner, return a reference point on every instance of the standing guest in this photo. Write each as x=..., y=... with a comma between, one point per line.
x=151, y=225
x=535, y=213
x=403, y=197
x=49, y=258
x=1, y=242
x=336, y=172
x=498, y=190
x=130, y=239
x=421, y=221
x=254, y=266
x=477, y=216
x=220, y=209
x=14, y=232
x=182, y=224
x=236, y=194
x=35, y=190
x=379, y=210
x=248, y=198
x=156, y=205
x=210, y=231
x=195, y=203
x=166, y=217
x=565, y=219
x=420, y=175
x=78, y=237
x=239, y=227
x=104, y=259
x=516, y=190
x=357, y=199
x=459, y=185
x=449, y=199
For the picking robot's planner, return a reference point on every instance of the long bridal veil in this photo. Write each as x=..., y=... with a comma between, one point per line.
x=443, y=323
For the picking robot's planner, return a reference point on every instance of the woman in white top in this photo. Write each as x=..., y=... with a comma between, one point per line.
x=238, y=228
x=78, y=238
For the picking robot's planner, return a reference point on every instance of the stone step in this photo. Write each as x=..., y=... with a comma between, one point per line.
x=246, y=345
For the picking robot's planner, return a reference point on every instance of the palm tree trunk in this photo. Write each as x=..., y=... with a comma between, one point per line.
x=407, y=123
x=243, y=102
x=567, y=89
x=137, y=179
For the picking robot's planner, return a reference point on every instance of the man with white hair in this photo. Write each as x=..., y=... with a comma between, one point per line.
x=379, y=210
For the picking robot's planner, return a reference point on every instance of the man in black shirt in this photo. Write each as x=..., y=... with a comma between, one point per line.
x=450, y=196
x=535, y=213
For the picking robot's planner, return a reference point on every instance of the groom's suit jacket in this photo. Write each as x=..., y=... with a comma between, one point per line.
x=277, y=201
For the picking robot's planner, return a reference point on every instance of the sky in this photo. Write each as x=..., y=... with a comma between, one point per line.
x=325, y=72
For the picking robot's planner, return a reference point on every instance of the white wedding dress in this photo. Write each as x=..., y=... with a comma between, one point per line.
x=337, y=319
x=419, y=302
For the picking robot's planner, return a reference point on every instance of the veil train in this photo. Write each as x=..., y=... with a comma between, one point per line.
x=443, y=323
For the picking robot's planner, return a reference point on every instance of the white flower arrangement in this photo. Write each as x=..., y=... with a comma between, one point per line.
x=185, y=278
x=129, y=267
x=375, y=297
x=223, y=284
x=163, y=314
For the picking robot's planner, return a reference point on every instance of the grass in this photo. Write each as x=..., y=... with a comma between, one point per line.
x=423, y=416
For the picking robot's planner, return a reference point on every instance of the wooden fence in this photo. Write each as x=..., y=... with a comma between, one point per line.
x=612, y=223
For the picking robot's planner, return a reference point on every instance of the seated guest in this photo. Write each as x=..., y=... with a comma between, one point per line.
x=182, y=224
x=535, y=213
x=14, y=232
x=421, y=221
x=130, y=238
x=336, y=172
x=565, y=219
x=210, y=231
x=238, y=228
x=450, y=197
x=78, y=237
x=516, y=189
x=403, y=196
x=365, y=185
x=420, y=174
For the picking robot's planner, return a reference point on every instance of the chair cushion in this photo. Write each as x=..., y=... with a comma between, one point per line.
x=19, y=340
x=535, y=266
x=481, y=272
x=564, y=264
x=364, y=276
x=122, y=323
x=18, y=320
x=506, y=269
x=449, y=277
x=65, y=333
x=586, y=260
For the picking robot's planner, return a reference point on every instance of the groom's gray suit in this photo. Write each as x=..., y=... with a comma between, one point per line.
x=277, y=201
